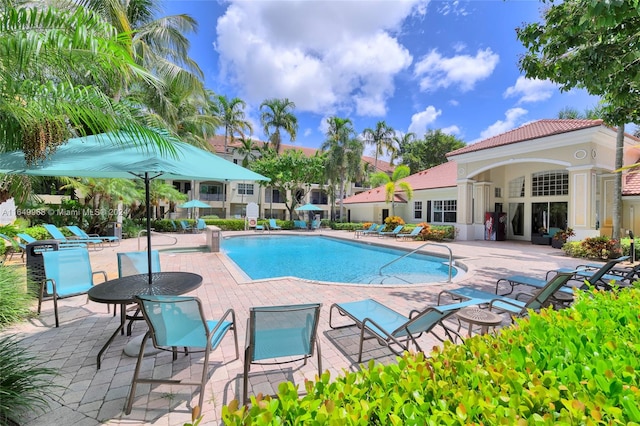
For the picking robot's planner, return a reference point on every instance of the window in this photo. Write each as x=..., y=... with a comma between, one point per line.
x=445, y=211
x=552, y=182
x=497, y=192
x=417, y=210
x=516, y=187
x=245, y=189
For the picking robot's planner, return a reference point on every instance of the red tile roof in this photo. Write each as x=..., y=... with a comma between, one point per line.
x=535, y=130
x=441, y=176
x=631, y=183
x=217, y=142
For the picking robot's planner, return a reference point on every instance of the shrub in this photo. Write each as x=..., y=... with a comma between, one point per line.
x=15, y=300
x=24, y=384
x=593, y=248
x=392, y=222
x=575, y=366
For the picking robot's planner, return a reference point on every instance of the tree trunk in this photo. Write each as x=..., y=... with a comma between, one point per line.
x=617, y=186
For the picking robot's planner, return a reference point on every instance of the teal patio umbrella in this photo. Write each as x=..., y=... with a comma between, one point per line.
x=194, y=204
x=309, y=208
x=124, y=155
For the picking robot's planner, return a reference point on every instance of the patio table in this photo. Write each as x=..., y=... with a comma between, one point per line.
x=122, y=291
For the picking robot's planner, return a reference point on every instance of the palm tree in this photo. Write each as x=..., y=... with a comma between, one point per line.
x=393, y=184
x=400, y=141
x=231, y=114
x=57, y=68
x=344, y=154
x=381, y=138
x=161, y=46
x=246, y=150
x=277, y=115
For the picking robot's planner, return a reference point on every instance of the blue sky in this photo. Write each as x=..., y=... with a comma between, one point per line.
x=418, y=65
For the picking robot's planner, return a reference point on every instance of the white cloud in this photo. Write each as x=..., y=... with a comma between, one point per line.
x=420, y=121
x=451, y=130
x=435, y=71
x=511, y=118
x=324, y=56
x=531, y=90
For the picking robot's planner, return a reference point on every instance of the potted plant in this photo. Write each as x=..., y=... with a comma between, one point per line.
x=561, y=237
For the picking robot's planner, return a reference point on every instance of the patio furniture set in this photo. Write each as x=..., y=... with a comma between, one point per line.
x=282, y=334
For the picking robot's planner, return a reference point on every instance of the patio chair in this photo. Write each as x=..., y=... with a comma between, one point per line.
x=273, y=225
x=185, y=227
x=179, y=321
x=300, y=224
x=373, y=230
x=64, y=241
x=392, y=329
x=281, y=334
x=134, y=263
x=600, y=277
x=411, y=235
x=82, y=235
x=315, y=224
x=201, y=225
x=393, y=233
x=514, y=306
x=68, y=273
x=13, y=247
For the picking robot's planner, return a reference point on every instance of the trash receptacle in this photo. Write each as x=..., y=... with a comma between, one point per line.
x=35, y=262
x=213, y=239
x=114, y=229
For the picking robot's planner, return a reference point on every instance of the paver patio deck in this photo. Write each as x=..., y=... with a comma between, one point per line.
x=91, y=397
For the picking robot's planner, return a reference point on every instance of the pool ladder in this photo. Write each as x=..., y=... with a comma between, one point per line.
x=413, y=251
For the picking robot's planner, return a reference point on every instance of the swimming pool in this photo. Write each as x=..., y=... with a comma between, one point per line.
x=328, y=259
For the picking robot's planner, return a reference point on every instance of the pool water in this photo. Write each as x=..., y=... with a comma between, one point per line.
x=328, y=259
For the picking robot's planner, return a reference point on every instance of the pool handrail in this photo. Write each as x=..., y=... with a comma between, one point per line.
x=144, y=231
x=413, y=251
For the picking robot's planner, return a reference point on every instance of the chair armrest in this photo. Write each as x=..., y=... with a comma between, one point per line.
x=103, y=273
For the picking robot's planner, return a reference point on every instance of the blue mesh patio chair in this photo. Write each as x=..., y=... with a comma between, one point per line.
x=392, y=329
x=80, y=234
x=281, y=334
x=68, y=273
x=516, y=307
x=185, y=227
x=179, y=321
x=134, y=263
x=273, y=225
x=57, y=234
x=393, y=233
x=600, y=277
x=411, y=235
x=373, y=230
x=201, y=225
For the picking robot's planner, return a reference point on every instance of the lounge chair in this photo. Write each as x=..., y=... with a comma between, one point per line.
x=13, y=247
x=179, y=321
x=300, y=224
x=82, y=235
x=315, y=224
x=273, y=225
x=600, y=277
x=201, y=225
x=68, y=273
x=184, y=225
x=411, y=235
x=63, y=240
x=393, y=233
x=281, y=334
x=373, y=230
x=516, y=307
x=393, y=329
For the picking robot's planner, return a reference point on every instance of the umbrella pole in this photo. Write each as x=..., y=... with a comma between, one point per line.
x=147, y=184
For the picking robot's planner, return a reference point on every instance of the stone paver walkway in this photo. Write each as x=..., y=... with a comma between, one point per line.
x=90, y=397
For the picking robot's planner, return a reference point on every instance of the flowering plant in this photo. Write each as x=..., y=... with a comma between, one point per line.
x=564, y=234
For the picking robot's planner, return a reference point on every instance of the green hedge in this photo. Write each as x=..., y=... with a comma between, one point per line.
x=576, y=366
